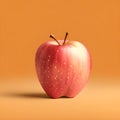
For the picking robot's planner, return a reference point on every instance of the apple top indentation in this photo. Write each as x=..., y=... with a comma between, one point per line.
x=53, y=37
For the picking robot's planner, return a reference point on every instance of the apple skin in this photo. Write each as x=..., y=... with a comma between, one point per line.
x=63, y=70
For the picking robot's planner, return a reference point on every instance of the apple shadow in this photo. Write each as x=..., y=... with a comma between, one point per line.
x=26, y=95
x=30, y=95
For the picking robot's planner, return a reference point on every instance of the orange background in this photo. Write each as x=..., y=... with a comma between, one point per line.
x=25, y=24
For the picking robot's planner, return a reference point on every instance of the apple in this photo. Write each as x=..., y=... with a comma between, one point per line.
x=63, y=67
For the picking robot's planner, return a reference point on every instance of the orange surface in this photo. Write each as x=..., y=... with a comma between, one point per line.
x=26, y=100
x=25, y=24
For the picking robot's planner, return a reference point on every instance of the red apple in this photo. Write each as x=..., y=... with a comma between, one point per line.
x=63, y=67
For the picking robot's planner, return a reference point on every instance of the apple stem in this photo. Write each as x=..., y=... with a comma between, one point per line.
x=52, y=36
x=65, y=37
